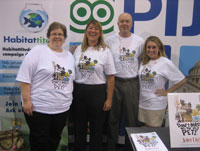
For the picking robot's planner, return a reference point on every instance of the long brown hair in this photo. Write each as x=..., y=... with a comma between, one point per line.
x=101, y=43
x=145, y=57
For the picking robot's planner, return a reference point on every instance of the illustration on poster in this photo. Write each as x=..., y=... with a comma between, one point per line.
x=33, y=18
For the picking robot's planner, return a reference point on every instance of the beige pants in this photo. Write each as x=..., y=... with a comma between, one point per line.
x=153, y=118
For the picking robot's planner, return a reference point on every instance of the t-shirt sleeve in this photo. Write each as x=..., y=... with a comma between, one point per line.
x=28, y=66
x=109, y=67
x=111, y=40
x=77, y=50
x=140, y=49
x=172, y=73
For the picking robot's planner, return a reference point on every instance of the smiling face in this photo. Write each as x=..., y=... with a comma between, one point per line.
x=92, y=34
x=56, y=39
x=125, y=24
x=152, y=50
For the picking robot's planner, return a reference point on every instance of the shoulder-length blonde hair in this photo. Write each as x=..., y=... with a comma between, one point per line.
x=145, y=57
x=101, y=43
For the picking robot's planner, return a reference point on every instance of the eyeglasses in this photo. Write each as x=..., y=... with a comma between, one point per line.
x=57, y=34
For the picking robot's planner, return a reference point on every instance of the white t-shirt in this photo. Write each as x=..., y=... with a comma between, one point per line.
x=51, y=76
x=153, y=76
x=126, y=53
x=92, y=65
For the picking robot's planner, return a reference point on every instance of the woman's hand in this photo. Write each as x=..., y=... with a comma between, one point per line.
x=110, y=89
x=28, y=108
x=161, y=92
x=26, y=91
x=107, y=105
x=73, y=48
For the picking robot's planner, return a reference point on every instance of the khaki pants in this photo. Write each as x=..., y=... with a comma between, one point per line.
x=125, y=102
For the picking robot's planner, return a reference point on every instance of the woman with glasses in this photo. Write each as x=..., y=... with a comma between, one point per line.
x=46, y=78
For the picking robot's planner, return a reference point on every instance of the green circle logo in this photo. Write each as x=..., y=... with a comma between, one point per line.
x=82, y=11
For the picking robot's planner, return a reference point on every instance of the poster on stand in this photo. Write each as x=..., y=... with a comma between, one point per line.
x=184, y=119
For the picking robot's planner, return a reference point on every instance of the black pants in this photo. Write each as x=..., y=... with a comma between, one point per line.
x=45, y=130
x=88, y=106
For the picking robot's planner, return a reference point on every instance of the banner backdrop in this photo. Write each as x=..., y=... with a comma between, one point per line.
x=24, y=24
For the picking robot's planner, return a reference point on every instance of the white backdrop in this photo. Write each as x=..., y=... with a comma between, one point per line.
x=176, y=22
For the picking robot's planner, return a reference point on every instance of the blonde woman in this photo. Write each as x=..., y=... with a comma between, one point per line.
x=155, y=70
x=94, y=84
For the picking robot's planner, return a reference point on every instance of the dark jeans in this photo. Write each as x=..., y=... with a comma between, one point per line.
x=45, y=130
x=88, y=106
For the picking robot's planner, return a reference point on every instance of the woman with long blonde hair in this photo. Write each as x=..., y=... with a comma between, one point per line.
x=93, y=89
x=155, y=70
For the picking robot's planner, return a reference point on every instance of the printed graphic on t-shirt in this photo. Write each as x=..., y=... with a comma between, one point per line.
x=86, y=66
x=60, y=76
x=127, y=58
x=147, y=78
